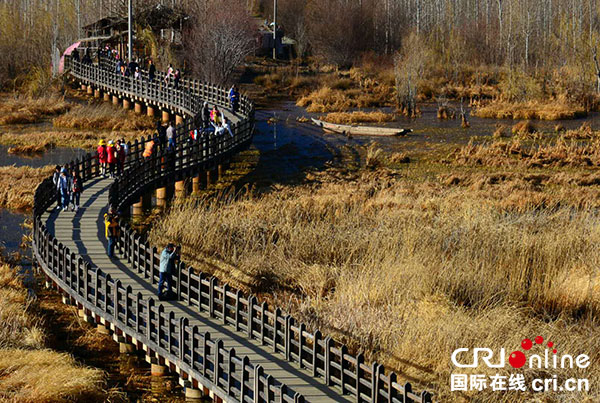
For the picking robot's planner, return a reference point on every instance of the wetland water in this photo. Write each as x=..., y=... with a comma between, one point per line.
x=286, y=149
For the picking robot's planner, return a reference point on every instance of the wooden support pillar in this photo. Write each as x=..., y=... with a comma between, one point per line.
x=97, y=93
x=126, y=103
x=196, y=184
x=158, y=370
x=180, y=188
x=115, y=100
x=208, y=178
x=138, y=107
x=106, y=97
x=165, y=116
x=138, y=208
x=103, y=329
x=161, y=197
x=193, y=394
x=150, y=111
x=178, y=119
x=126, y=348
x=220, y=170
x=90, y=90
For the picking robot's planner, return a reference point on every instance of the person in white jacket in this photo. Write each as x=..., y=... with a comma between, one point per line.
x=223, y=127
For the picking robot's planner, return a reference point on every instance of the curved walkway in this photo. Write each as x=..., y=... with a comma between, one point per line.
x=213, y=336
x=83, y=233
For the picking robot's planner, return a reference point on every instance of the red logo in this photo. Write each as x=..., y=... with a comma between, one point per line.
x=517, y=359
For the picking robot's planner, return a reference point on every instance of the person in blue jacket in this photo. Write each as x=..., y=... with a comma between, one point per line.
x=167, y=266
x=234, y=99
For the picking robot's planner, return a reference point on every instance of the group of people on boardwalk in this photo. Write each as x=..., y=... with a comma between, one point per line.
x=111, y=157
x=68, y=187
x=132, y=68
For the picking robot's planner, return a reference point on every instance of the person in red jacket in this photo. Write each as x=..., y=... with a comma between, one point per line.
x=111, y=158
x=102, y=157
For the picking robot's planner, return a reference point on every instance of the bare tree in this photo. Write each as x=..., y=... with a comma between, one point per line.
x=219, y=39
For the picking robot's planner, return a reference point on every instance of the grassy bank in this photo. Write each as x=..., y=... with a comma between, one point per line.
x=410, y=267
x=359, y=117
x=86, y=139
x=22, y=109
x=542, y=110
x=29, y=371
x=19, y=184
x=103, y=117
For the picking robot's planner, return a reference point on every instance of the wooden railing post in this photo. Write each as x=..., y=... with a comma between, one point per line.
x=392, y=392
x=211, y=297
x=328, y=343
x=406, y=393
x=218, y=361
x=376, y=371
x=230, y=371
x=360, y=359
x=301, y=343
x=205, y=353
x=138, y=309
x=258, y=374
x=288, y=337
x=317, y=337
x=250, y=325
x=238, y=308
x=244, y=378
x=276, y=316
x=343, y=367
x=224, y=307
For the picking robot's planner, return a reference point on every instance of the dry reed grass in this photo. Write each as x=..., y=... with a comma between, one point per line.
x=28, y=371
x=22, y=109
x=85, y=139
x=342, y=94
x=514, y=153
x=524, y=129
x=19, y=184
x=411, y=271
x=30, y=149
x=585, y=132
x=359, y=117
x=103, y=117
x=541, y=110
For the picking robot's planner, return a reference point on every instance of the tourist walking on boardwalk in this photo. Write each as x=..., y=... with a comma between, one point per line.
x=111, y=230
x=205, y=116
x=167, y=266
x=102, y=157
x=215, y=116
x=76, y=187
x=168, y=75
x=63, y=188
x=148, y=149
x=111, y=158
x=151, y=71
x=176, y=78
x=120, y=152
x=234, y=99
x=171, y=136
x=224, y=127
x=125, y=146
x=55, y=179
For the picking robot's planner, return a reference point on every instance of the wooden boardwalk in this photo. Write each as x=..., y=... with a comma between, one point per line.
x=83, y=233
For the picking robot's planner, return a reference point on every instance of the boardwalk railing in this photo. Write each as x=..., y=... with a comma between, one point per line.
x=199, y=358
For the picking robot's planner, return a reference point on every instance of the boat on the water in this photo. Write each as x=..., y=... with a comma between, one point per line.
x=350, y=130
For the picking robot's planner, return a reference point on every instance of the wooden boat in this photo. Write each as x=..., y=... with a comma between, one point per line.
x=349, y=130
